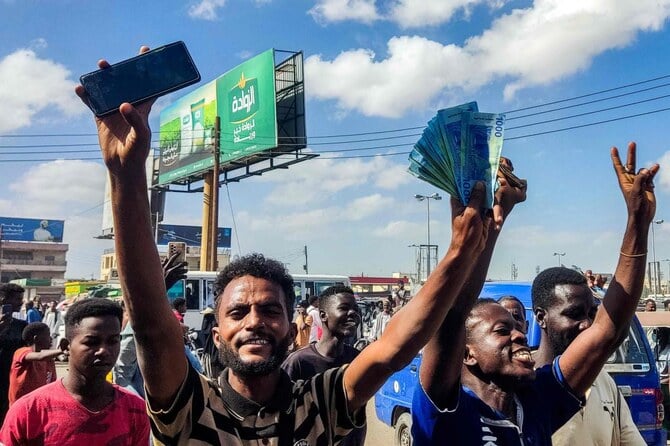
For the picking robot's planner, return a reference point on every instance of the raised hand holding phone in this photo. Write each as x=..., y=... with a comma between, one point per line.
x=147, y=76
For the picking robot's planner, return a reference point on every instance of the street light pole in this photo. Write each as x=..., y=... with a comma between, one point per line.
x=419, y=197
x=668, y=279
x=559, y=254
x=653, y=253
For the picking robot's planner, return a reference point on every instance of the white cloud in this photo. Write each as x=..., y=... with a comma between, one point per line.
x=399, y=230
x=70, y=190
x=365, y=207
x=405, y=13
x=206, y=9
x=315, y=182
x=51, y=188
x=537, y=45
x=418, y=13
x=340, y=10
x=50, y=89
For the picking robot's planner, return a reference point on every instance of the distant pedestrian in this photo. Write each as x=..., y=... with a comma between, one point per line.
x=179, y=309
x=303, y=326
x=54, y=320
x=382, y=320
x=32, y=315
x=313, y=319
x=33, y=366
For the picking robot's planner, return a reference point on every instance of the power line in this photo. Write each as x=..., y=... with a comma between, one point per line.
x=560, y=101
x=533, y=107
x=590, y=102
x=385, y=146
x=590, y=113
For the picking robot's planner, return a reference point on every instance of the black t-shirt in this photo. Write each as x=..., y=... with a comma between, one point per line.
x=307, y=362
x=10, y=341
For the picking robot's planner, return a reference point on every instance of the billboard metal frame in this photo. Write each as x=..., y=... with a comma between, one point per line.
x=291, y=132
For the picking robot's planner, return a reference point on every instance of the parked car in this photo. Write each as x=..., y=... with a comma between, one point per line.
x=632, y=366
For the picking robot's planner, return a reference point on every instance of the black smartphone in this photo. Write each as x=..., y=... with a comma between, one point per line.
x=177, y=247
x=149, y=75
x=6, y=309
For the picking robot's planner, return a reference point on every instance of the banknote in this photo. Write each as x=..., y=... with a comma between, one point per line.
x=481, y=146
x=459, y=147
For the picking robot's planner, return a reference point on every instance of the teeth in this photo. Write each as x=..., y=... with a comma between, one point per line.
x=524, y=355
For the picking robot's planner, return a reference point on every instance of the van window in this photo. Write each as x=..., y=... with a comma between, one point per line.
x=192, y=294
x=631, y=356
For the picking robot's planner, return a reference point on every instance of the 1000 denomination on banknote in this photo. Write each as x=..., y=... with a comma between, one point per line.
x=481, y=145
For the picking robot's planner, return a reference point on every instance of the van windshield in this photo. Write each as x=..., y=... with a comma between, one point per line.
x=631, y=356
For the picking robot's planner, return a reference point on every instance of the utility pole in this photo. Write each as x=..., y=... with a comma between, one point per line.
x=215, y=198
x=305, y=266
x=515, y=271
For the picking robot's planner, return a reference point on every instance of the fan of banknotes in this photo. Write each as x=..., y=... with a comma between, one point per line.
x=459, y=147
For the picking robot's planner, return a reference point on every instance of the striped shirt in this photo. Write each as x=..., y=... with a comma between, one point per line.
x=303, y=413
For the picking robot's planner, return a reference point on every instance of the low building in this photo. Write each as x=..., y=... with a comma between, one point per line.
x=108, y=271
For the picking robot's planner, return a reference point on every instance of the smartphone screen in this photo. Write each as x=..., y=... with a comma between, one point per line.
x=142, y=77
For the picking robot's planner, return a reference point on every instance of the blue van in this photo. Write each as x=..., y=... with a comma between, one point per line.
x=632, y=366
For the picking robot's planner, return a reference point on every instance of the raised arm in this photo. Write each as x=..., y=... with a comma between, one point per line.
x=584, y=358
x=443, y=355
x=412, y=326
x=124, y=139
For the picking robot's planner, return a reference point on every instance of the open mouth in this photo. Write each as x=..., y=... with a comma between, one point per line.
x=523, y=355
x=257, y=342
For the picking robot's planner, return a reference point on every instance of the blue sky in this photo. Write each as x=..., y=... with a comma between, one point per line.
x=370, y=66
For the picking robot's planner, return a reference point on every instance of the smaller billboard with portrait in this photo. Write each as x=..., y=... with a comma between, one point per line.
x=31, y=229
x=191, y=235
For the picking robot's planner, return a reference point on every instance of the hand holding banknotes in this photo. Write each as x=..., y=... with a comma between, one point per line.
x=460, y=147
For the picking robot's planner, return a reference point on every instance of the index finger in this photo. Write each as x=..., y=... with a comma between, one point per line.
x=616, y=161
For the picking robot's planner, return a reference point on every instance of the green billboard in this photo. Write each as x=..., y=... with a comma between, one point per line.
x=244, y=99
x=247, y=106
x=187, y=135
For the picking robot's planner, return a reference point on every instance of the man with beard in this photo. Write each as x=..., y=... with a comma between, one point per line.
x=564, y=307
x=478, y=381
x=340, y=317
x=254, y=401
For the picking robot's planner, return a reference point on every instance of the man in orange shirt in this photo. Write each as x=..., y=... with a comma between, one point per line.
x=33, y=366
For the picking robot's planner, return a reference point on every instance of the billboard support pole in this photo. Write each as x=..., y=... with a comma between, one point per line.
x=214, y=230
x=205, y=241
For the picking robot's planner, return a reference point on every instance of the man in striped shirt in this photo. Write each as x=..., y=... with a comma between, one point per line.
x=253, y=401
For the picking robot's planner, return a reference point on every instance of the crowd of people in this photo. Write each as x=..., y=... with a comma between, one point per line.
x=479, y=382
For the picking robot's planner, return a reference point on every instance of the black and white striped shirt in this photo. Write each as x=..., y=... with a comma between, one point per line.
x=303, y=413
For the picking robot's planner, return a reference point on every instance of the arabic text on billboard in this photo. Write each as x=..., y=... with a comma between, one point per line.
x=31, y=229
x=187, y=135
x=246, y=104
x=244, y=99
x=191, y=235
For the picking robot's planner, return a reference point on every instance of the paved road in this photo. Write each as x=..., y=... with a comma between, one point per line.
x=378, y=434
